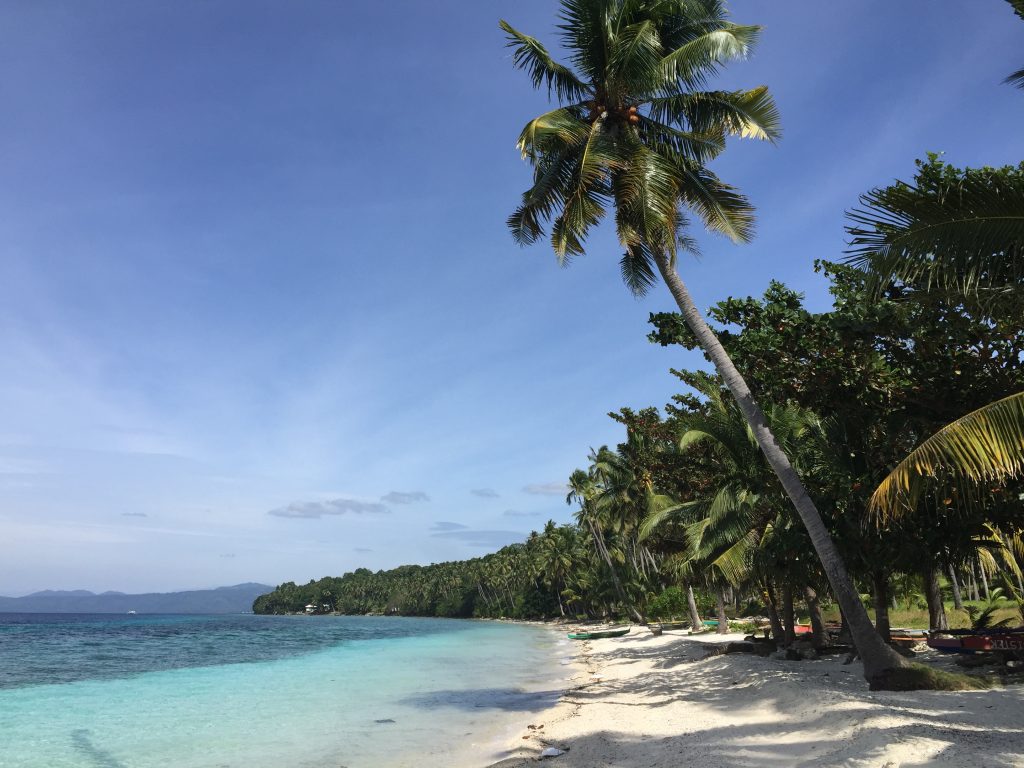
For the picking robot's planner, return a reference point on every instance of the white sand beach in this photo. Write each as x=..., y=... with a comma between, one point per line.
x=660, y=702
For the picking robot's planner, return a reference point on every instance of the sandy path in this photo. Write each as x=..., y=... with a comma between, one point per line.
x=656, y=702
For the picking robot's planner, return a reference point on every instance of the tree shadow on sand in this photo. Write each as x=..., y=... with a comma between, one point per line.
x=743, y=711
x=733, y=748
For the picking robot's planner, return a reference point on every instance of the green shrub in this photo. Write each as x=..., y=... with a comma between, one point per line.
x=670, y=603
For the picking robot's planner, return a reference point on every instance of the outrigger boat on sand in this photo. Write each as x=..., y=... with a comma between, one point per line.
x=598, y=635
x=977, y=640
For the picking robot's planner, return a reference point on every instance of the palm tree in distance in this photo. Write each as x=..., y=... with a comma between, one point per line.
x=635, y=131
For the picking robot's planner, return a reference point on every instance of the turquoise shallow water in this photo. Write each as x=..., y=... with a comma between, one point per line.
x=267, y=692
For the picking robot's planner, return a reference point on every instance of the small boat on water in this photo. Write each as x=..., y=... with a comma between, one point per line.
x=977, y=640
x=598, y=635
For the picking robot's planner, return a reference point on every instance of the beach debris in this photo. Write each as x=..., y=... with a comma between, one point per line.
x=552, y=752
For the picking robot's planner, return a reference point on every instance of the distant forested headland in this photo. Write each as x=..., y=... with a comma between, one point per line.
x=505, y=583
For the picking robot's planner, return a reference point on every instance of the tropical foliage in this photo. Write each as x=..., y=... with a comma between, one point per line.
x=704, y=507
x=986, y=445
x=951, y=230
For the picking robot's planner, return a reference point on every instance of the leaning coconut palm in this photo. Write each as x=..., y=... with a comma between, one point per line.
x=986, y=445
x=636, y=131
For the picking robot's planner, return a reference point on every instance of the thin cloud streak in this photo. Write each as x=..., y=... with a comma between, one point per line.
x=442, y=526
x=517, y=513
x=546, y=489
x=405, y=497
x=311, y=510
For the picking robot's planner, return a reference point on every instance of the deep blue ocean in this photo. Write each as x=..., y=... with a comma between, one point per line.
x=102, y=691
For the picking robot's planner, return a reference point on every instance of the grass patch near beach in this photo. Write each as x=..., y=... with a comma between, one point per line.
x=918, y=677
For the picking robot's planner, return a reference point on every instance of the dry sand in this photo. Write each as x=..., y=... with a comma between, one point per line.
x=658, y=702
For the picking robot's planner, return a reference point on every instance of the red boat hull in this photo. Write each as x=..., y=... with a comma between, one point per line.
x=966, y=642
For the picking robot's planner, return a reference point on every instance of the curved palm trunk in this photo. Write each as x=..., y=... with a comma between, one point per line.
x=882, y=601
x=778, y=634
x=817, y=624
x=879, y=659
x=695, y=622
x=788, y=616
x=723, y=620
x=619, y=591
x=958, y=601
x=984, y=579
x=933, y=596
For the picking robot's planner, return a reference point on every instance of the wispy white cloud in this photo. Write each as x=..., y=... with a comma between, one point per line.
x=405, y=497
x=517, y=513
x=134, y=514
x=546, y=489
x=485, y=493
x=316, y=509
x=442, y=526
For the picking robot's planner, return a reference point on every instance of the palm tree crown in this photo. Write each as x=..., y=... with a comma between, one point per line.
x=634, y=128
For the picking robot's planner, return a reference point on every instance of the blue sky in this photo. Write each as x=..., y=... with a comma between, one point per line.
x=260, y=317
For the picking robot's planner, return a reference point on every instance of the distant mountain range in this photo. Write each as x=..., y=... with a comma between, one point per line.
x=236, y=599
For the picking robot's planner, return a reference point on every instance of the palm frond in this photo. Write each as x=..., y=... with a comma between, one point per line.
x=671, y=142
x=985, y=445
x=633, y=60
x=692, y=61
x=637, y=269
x=721, y=207
x=986, y=617
x=584, y=206
x=1017, y=79
x=748, y=114
x=662, y=510
x=733, y=562
x=646, y=215
x=529, y=54
x=585, y=29
x=561, y=126
x=957, y=231
x=552, y=175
